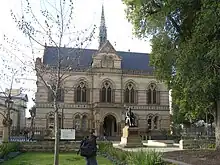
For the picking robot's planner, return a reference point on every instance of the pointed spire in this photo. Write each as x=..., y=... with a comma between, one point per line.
x=102, y=29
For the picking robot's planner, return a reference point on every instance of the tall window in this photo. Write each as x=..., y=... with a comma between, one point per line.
x=51, y=121
x=60, y=94
x=81, y=93
x=106, y=93
x=156, y=122
x=84, y=122
x=77, y=122
x=152, y=94
x=129, y=94
x=149, y=122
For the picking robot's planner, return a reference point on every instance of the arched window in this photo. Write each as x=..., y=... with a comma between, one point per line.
x=129, y=96
x=51, y=121
x=106, y=93
x=77, y=122
x=60, y=94
x=156, y=121
x=81, y=93
x=149, y=123
x=84, y=123
x=152, y=94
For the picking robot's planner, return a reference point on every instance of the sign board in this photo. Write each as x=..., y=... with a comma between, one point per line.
x=68, y=134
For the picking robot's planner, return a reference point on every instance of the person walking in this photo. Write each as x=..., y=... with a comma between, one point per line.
x=88, y=149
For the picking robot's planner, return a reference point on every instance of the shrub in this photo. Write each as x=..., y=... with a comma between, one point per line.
x=121, y=157
x=150, y=157
x=6, y=148
x=116, y=155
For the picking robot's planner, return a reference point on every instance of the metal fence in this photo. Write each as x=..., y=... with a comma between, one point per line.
x=39, y=133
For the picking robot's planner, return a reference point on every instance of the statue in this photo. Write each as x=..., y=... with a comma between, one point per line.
x=130, y=118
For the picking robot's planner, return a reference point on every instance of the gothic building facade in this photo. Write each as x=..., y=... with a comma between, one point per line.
x=101, y=85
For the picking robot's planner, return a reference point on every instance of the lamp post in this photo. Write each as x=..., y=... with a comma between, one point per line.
x=7, y=121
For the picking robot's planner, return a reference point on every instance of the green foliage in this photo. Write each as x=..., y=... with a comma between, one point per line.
x=146, y=158
x=6, y=148
x=185, y=49
x=135, y=158
x=107, y=147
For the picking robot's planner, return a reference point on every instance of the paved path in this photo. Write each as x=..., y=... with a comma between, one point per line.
x=175, y=162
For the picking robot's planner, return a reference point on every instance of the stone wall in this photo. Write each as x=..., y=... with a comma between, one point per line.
x=196, y=144
x=48, y=146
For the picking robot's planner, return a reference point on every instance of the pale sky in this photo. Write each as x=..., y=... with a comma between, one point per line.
x=87, y=13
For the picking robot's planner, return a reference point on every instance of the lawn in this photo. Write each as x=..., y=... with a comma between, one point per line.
x=47, y=159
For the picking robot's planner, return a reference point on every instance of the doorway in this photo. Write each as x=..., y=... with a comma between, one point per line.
x=110, y=125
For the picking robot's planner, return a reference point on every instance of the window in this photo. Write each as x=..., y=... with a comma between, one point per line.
x=51, y=121
x=106, y=93
x=84, y=123
x=149, y=122
x=77, y=122
x=60, y=94
x=129, y=94
x=156, y=122
x=81, y=93
x=152, y=94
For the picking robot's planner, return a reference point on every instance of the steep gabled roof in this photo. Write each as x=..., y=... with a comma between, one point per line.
x=82, y=58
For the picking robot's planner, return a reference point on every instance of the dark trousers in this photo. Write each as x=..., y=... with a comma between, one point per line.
x=91, y=161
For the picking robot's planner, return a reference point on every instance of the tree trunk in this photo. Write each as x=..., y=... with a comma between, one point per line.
x=5, y=136
x=32, y=128
x=217, y=128
x=57, y=138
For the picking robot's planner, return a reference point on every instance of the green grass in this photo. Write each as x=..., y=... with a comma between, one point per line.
x=47, y=159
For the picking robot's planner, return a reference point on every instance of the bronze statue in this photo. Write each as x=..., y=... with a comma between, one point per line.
x=129, y=118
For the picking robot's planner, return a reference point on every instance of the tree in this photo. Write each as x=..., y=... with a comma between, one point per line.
x=32, y=112
x=53, y=27
x=185, y=49
x=12, y=76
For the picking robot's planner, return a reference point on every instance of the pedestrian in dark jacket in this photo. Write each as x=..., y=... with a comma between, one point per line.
x=82, y=142
x=88, y=149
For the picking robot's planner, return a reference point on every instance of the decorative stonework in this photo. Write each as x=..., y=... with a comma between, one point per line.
x=135, y=107
x=66, y=105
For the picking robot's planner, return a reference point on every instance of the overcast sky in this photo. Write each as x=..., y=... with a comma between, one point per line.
x=87, y=13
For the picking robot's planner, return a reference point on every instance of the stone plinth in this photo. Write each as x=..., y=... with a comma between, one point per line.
x=131, y=137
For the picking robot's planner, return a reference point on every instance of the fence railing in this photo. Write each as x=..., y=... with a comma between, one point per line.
x=39, y=133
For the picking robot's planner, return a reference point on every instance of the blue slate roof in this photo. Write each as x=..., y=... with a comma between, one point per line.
x=82, y=58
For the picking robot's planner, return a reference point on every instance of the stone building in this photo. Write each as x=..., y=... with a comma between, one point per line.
x=101, y=85
x=18, y=110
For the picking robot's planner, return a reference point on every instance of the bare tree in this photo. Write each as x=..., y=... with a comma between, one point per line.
x=11, y=76
x=53, y=26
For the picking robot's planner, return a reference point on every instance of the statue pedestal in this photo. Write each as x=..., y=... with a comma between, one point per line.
x=131, y=137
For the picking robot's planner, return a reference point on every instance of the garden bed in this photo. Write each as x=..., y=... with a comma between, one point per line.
x=120, y=157
x=195, y=157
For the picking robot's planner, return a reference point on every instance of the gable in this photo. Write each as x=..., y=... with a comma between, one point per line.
x=107, y=48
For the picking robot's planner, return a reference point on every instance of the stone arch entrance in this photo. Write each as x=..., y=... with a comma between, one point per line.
x=110, y=125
